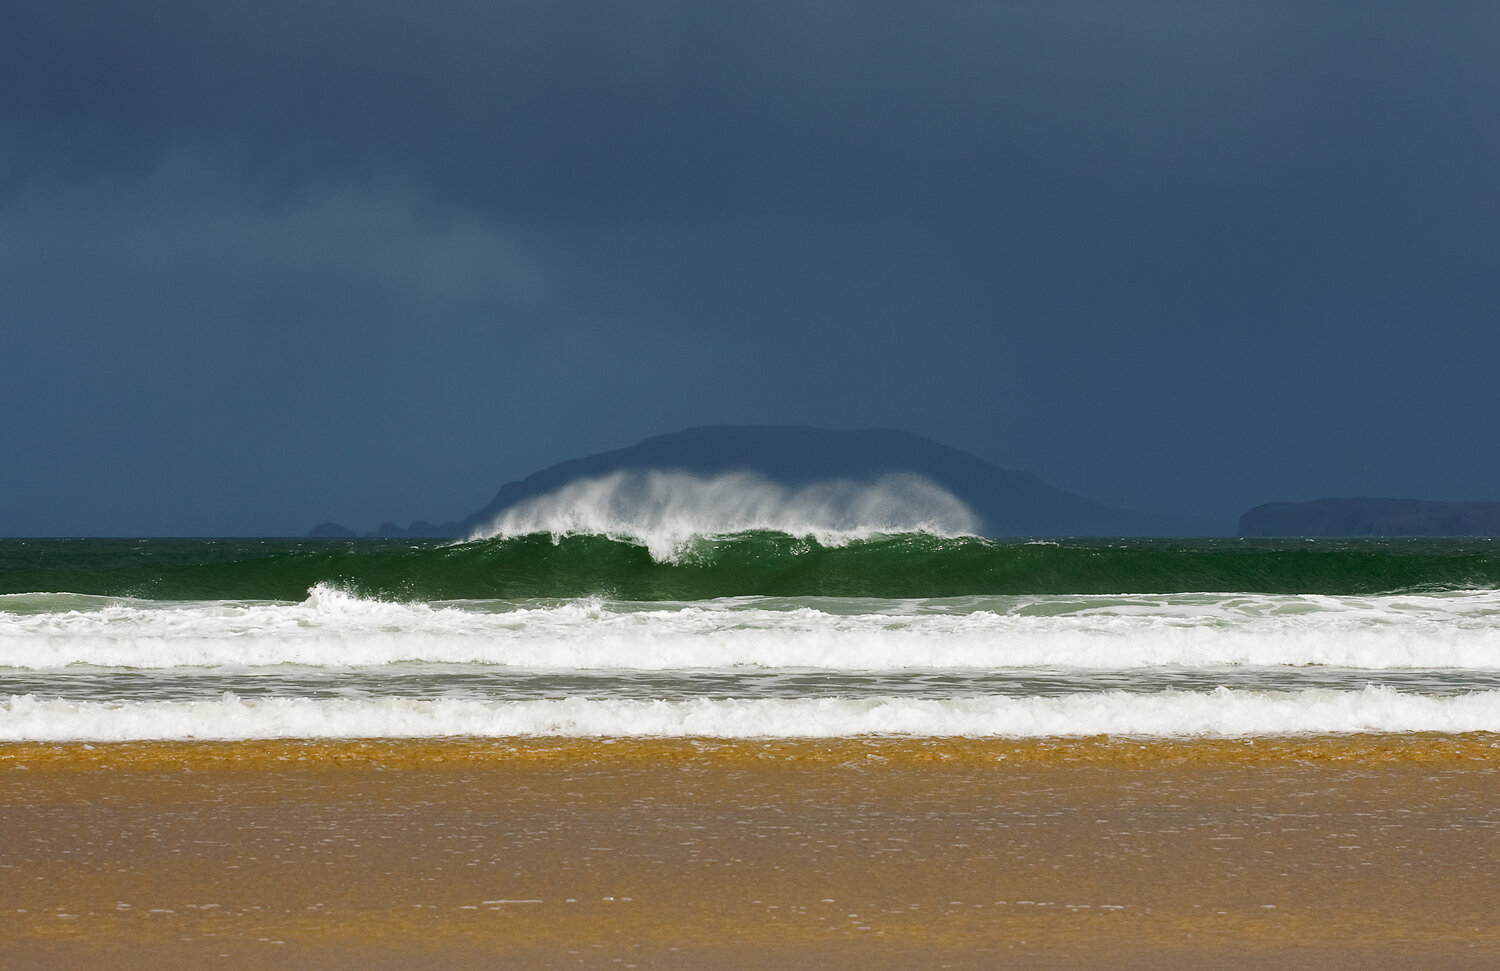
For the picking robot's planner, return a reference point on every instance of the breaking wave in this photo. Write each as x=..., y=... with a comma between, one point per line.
x=331, y=628
x=667, y=511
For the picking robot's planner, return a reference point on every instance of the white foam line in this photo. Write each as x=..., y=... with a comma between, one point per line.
x=1222, y=712
x=333, y=629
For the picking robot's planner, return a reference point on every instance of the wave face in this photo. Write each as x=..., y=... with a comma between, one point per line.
x=666, y=512
x=766, y=563
x=751, y=634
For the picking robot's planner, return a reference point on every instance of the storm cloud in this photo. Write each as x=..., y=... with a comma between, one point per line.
x=269, y=264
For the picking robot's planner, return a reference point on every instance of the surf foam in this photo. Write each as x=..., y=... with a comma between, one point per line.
x=1219, y=713
x=334, y=629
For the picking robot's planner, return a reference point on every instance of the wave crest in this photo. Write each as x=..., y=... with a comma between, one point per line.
x=665, y=511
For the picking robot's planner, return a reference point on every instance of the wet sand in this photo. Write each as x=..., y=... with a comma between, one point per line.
x=1337, y=852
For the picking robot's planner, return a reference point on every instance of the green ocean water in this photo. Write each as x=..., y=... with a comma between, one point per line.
x=747, y=564
x=759, y=634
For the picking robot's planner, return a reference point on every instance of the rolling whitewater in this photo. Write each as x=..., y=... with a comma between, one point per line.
x=846, y=622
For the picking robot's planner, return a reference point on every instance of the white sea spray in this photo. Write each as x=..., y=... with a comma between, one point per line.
x=666, y=510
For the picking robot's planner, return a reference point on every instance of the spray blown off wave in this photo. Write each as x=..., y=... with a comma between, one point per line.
x=667, y=511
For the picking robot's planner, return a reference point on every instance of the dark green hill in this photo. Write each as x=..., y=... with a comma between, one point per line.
x=1008, y=503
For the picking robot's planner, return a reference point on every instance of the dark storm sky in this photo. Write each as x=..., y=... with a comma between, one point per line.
x=267, y=264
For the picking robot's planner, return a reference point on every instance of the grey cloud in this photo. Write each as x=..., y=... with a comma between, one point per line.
x=1170, y=254
x=177, y=229
x=588, y=106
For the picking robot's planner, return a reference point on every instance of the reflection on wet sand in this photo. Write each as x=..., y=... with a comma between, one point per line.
x=1342, y=850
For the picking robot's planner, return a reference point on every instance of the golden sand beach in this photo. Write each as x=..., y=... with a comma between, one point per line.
x=1330, y=851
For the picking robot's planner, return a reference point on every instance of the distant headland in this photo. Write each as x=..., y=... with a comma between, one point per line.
x=1003, y=502
x=1365, y=516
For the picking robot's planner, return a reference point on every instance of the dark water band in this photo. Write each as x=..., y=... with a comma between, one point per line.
x=769, y=564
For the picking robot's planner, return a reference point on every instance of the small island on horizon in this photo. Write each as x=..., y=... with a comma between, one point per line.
x=1005, y=502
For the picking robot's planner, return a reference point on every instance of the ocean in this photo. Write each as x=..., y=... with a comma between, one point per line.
x=759, y=634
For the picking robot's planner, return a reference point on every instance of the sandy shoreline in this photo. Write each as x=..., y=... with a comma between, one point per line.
x=1338, y=851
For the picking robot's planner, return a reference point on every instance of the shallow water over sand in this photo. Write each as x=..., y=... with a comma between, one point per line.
x=1339, y=851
